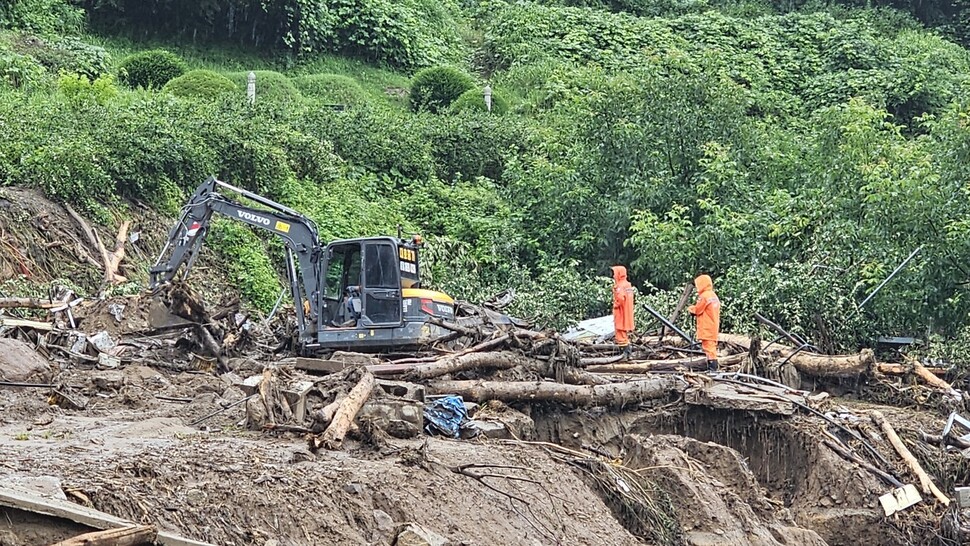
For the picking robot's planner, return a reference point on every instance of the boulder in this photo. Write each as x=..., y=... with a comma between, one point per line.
x=19, y=362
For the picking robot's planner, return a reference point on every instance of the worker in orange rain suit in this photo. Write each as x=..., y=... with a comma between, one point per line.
x=622, y=308
x=708, y=313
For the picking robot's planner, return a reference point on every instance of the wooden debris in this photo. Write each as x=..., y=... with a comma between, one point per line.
x=926, y=483
x=345, y=415
x=111, y=260
x=27, y=303
x=24, y=323
x=500, y=360
x=647, y=366
x=136, y=535
x=613, y=394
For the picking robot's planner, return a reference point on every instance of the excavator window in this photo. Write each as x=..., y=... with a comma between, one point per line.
x=382, y=283
x=382, y=267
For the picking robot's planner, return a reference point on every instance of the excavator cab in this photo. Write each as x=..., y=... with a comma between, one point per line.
x=372, y=295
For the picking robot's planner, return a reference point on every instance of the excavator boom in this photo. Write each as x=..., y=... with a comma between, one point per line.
x=299, y=235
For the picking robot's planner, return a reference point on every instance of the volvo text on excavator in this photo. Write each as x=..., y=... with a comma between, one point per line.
x=359, y=294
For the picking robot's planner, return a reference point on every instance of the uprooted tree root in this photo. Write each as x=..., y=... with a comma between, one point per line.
x=642, y=506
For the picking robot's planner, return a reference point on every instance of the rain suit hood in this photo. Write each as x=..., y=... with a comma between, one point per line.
x=703, y=283
x=619, y=273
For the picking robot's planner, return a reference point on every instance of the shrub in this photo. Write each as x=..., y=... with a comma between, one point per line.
x=200, y=84
x=78, y=88
x=473, y=100
x=331, y=89
x=151, y=69
x=434, y=89
x=41, y=16
x=271, y=87
x=19, y=71
x=64, y=54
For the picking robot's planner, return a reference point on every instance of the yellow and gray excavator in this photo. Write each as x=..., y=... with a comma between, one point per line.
x=357, y=294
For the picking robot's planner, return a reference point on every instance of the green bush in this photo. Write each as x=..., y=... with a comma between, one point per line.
x=41, y=16
x=151, y=69
x=19, y=71
x=473, y=100
x=271, y=87
x=434, y=89
x=78, y=88
x=331, y=89
x=70, y=55
x=200, y=84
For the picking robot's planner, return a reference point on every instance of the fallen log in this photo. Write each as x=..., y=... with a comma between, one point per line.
x=888, y=368
x=813, y=364
x=613, y=394
x=23, y=323
x=926, y=483
x=646, y=366
x=831, y=366
x=600, y=360
x=502, y=360
x=345, y=415
x=27, y=303
x=935, y=381
x=136, y=535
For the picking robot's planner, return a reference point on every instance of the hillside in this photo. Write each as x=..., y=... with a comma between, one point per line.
x=811, y=157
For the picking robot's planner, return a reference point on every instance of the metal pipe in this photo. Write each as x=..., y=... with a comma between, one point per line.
x=891, y=275
x=668, y=324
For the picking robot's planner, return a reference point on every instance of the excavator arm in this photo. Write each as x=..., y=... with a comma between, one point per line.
x=299, y=235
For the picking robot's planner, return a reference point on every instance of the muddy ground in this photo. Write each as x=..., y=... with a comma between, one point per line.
x=717, y=478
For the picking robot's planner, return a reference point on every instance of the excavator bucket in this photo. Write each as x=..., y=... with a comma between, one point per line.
x=160, y=317
x=175, y=305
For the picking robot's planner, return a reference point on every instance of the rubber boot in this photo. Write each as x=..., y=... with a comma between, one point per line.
x=627, y=352
x=712, y=365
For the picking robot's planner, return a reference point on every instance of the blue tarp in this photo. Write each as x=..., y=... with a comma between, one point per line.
x=445, y=416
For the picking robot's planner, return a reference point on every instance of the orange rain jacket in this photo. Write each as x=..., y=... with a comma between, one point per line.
x=622, y=300
x=707, y=309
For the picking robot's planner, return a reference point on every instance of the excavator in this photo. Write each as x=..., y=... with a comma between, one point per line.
x=352, y=294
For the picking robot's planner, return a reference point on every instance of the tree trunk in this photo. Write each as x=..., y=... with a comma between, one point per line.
x=647, y=366
x=464, y=362
x=27, y=303
x=111, y=260
x=926, y=483
x=614, y=394
x=137, y=535
x=831, y=366
x=344, y=418
x=684, y=296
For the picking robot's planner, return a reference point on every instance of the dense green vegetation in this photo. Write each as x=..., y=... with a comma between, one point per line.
x=797, y=154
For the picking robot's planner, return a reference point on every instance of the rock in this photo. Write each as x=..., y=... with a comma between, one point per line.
x=19, y=362
x=412, y=534
x=102, y=342
x=493, y=430
x=107, y=380
x=398, y=417
x=384, y=521
x=195, y=497
x=251, y=384
x=402, y=389
x=245, y=366
x=354, y=488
